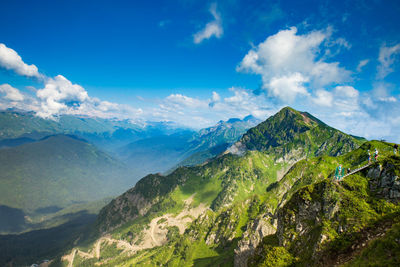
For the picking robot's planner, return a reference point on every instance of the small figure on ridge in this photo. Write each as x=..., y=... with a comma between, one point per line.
x=376, y=155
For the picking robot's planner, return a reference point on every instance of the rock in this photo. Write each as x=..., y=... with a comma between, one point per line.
x=252, y=237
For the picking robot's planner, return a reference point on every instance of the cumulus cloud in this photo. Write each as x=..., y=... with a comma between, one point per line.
x=58, y=95
x=288, y=87
x=61, y=96
x=386, y=59
x=289, y=60
x=197, y=113
x=11, y=93
x=9, y=59
x=323, y=98
x=213, y=28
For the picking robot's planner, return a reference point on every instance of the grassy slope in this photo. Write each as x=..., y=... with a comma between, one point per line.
x=210, y=185
x=355, y=203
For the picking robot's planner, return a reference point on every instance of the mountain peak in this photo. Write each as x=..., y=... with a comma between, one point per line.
x=233, y=120
x=289, y=129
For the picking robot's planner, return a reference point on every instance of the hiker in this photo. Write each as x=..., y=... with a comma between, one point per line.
x=376, y=155
x=348, y=170
x=395, y=147
x=369, y=156
x=339, y=173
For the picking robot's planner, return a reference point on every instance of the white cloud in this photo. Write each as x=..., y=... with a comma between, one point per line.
x=215, y=97
x=288, y=87
x=323, y=98
x=180, y=101
x=362, y=63
x=347, y=91
x=58, y=95
x=287, y=54
x=198, y=113
x=213, y=28
x=386, y=59
x=10, y=60
x=11, y=93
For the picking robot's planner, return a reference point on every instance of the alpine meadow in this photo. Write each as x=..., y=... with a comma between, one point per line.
x=199, y=133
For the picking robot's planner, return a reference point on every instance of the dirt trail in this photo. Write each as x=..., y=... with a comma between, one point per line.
x=154, y=235
x=70, y=258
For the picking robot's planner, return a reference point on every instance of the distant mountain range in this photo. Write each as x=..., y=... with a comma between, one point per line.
x=48, y=165
x=105, y=133
x=184, y=148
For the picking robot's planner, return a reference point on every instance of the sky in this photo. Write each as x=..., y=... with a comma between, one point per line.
x=198, y=62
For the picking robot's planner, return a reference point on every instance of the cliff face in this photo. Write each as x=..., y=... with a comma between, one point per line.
x=385, y=179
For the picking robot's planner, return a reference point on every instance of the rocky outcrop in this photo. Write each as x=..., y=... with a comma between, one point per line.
x=252, y=237
x=384, y=181
x=301, y=219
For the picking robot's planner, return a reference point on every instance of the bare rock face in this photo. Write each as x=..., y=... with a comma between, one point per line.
x=252, y=237
x=237, y=148
x=303, y=214
x=385, y=182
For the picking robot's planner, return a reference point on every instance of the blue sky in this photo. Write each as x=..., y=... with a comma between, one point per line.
x=196, y=62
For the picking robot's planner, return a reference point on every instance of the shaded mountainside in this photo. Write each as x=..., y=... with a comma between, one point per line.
x=57, y=171
x=257, y=209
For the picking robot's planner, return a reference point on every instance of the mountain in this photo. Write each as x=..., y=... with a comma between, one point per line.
x=107, y=134
x=44, y=176
x=185, y=148
x=274, y=204
x=290, y=133
x=146, y=147
x=157, y=153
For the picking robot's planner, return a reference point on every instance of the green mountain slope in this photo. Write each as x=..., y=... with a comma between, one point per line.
x=221, y=212
x=323, y=223
x=291, y=132
x=58, y=171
